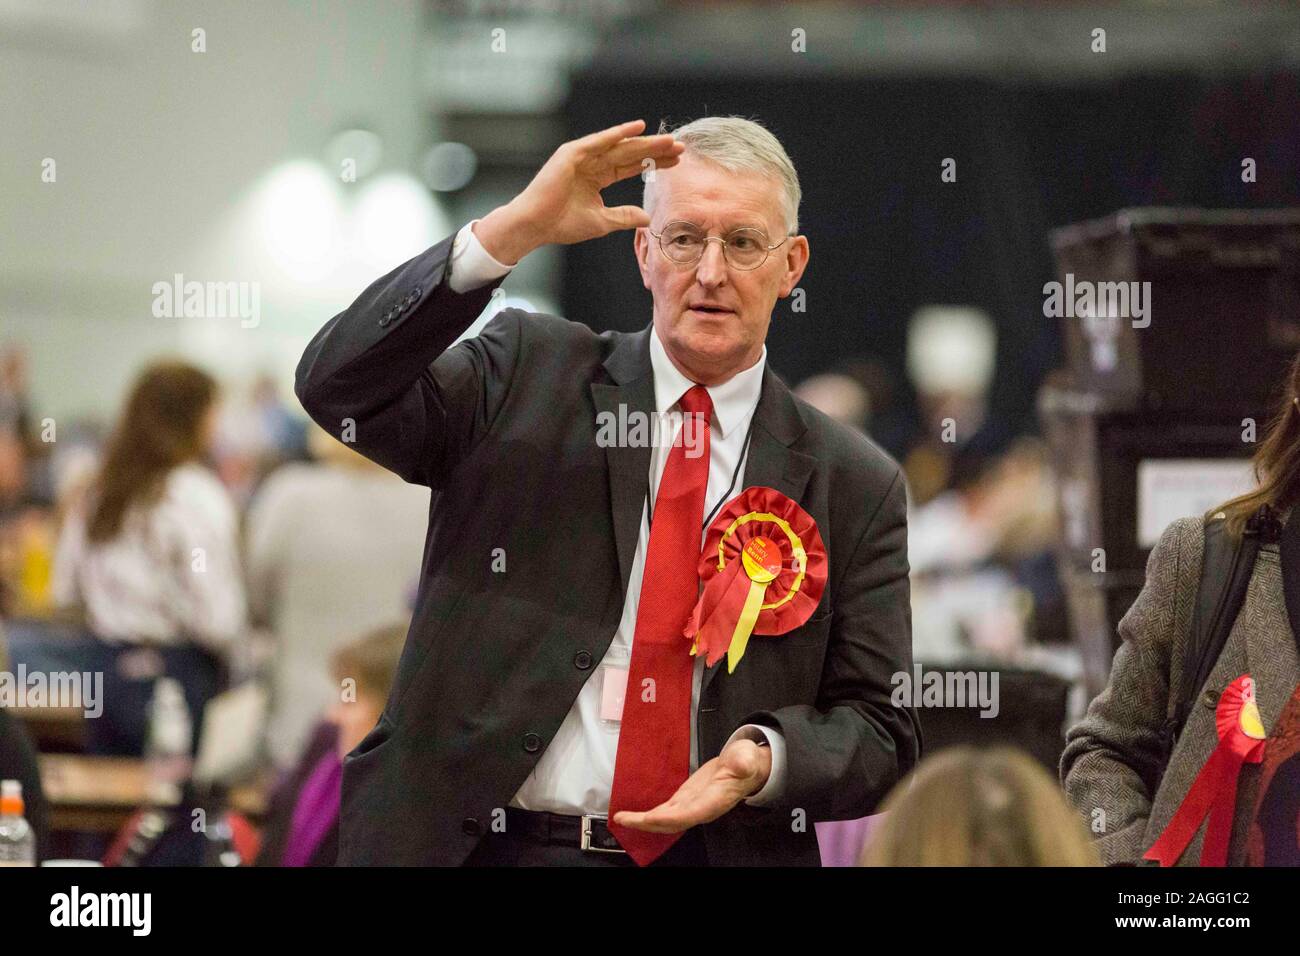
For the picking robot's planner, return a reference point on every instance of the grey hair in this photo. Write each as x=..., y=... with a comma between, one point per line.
x=738, y=144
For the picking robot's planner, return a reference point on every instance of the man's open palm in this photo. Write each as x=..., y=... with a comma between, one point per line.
x=738, y=772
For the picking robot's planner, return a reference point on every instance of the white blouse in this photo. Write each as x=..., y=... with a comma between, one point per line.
x=171, y=575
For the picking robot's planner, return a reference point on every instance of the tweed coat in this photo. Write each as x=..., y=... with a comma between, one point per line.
x=1113, y=767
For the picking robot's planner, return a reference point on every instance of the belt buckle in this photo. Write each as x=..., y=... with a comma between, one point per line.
x=586, y=844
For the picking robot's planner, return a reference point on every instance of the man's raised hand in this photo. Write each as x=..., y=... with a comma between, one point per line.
x=563, y=204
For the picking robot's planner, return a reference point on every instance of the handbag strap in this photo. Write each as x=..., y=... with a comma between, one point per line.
x=1226, y=568
x=1289, y=551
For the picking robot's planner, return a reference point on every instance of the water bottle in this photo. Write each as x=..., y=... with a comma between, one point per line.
x=167, y=750
x=17, y=841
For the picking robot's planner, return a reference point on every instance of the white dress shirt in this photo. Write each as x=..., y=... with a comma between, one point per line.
x=576, y=771
x=171, y=575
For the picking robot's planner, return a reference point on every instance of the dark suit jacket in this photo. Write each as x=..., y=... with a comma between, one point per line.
x=503, y=428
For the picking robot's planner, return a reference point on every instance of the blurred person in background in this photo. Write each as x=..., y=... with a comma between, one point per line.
x=256, y=433
x=283, y=434
x=841, y=397
x=951, y=356
x=331, y=552
x=150, y=555
x=975, y=807
x=18, y=422
x=15, y=412
x=13, y=484
x=1164, y=786
x=980, y=553
x=18, y=762
x=15, y=420
x=27, y=540
x=29, y=533
x=13, y=470
x=303, y=820
x=27, y=520
x=862, y=392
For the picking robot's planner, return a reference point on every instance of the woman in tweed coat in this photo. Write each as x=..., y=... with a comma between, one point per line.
x=1113, y=767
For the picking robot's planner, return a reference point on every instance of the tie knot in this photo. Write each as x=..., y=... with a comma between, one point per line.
x=697, y=402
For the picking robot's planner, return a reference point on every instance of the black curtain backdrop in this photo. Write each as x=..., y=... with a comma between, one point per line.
x=887, y=235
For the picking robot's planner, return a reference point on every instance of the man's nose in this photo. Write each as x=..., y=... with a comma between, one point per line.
x=711, y=270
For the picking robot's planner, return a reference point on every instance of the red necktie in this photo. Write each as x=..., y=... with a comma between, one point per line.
x=654, y=740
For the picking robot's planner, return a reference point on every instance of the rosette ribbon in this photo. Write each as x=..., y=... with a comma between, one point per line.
x=1214, y=791
x=764, y=569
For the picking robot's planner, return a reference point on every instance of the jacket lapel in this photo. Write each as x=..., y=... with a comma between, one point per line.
x=772, y=463
x=778, y=424
x=631, y=389
x=1270, y=649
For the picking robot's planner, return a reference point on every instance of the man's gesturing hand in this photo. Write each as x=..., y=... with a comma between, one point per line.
x=562, y=204
x=738, y=772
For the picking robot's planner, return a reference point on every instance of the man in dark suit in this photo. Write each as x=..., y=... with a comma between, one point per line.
x=560, y=566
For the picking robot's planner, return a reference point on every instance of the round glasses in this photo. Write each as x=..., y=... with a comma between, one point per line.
x=684, y=242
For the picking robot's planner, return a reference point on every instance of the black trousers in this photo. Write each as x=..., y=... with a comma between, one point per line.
x=129, y=675
x=505, y=849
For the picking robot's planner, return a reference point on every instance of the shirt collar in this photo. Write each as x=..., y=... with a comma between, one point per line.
x=733, y=400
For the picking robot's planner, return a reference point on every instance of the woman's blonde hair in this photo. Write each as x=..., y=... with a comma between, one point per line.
x=371, y=660
x=976, y=807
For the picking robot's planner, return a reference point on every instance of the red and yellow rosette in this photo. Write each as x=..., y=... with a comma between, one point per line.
x=1214, y=791
x=763, y=568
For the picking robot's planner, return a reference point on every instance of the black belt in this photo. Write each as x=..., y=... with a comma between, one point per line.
x=587, y=832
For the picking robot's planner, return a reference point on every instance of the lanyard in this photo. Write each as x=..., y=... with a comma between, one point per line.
x=744, y=454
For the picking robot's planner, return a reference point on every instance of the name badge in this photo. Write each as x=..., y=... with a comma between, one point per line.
x=613, y=687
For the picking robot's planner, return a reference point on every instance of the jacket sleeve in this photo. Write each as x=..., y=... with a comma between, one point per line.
x=844, y=754
x=1114, y=756
x=382, y=376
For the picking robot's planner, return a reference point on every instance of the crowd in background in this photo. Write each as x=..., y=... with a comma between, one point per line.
x=211, y=535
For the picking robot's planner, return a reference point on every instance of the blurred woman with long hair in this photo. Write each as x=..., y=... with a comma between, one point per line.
x=1173, y=767
x=150, y=553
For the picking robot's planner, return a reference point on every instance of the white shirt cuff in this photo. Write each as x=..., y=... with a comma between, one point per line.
x=775, y=785
x=472, y=265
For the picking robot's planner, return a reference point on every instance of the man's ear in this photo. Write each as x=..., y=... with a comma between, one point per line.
x=641, y=246
x=796, y=260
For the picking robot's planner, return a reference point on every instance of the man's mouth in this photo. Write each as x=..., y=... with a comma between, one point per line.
x=710, y=309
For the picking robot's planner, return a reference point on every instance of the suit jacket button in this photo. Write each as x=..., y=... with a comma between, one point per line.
x=582, y=660
x=386, y=318
x=469, y=826
x=532, y=743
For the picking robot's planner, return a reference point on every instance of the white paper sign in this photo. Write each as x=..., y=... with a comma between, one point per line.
x=1172, y=488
